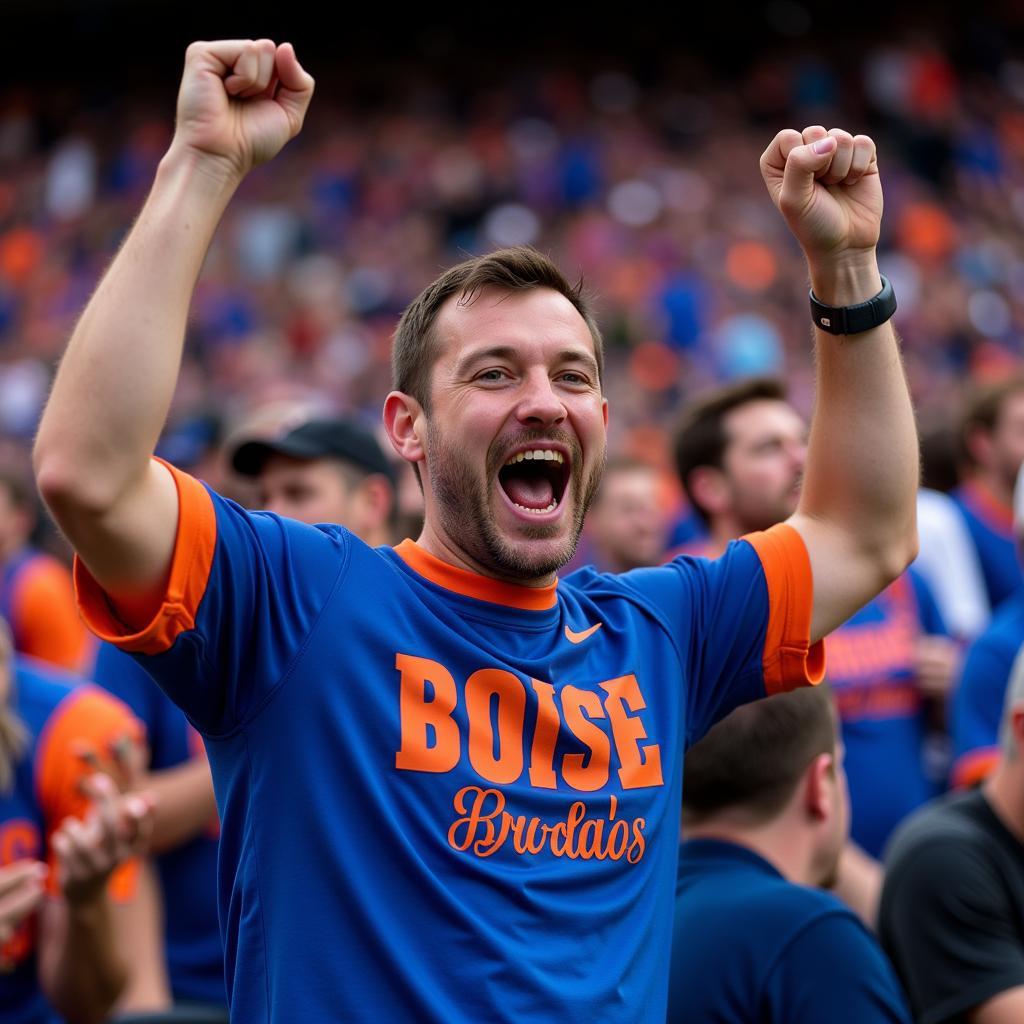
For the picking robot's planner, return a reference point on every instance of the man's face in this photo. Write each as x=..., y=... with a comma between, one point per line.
x=515, y=376
x=1008, y=439
x=763, y=462
x=628, y=522
x=310, y=490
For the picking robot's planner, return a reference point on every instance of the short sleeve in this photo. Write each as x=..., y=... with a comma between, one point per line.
x=947, y=922
x=833, y=970
x=81, y=733
x=244, y=590
x=977, y=710
x=743, y=622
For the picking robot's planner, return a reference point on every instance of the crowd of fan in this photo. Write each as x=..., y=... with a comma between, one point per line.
x=651, y=193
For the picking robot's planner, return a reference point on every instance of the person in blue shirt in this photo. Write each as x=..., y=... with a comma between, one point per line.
x=992, y=445
x=977, y=705
x=765, y=820
x=449, y=784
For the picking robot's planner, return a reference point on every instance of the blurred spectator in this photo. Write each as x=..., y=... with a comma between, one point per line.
x=740, y=452
x=67, y=937
x=324, y=471
x=36, y=594
x=765, y=820
x=740, y=455
x=953, y=899
x=979, y=697
x=627, y=524
x=948, y=562
x=992, y=440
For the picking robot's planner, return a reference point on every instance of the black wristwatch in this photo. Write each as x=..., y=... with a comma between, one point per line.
x=855, y=319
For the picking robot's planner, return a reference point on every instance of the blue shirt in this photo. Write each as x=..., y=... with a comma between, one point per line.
x=750, y=946
x=188, y=873
x=871, y=660
x=978, y=699
x=990, y=525
x=442, y=797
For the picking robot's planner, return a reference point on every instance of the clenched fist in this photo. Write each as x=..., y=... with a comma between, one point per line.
x=826, y=185
x=240, y=101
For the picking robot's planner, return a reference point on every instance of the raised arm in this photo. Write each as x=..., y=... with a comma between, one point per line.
x=857, y=510
x=240, y=101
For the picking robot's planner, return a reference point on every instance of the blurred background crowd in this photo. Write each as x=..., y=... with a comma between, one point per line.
x=628, y=152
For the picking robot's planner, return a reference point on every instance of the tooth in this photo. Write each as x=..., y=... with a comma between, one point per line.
x=549, y=456
x=527, y=455
x=538, y=453
x=558, y=457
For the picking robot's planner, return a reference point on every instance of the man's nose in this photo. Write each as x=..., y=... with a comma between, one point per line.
x=539, y=402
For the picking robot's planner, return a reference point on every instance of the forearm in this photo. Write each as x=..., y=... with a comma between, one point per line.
x=88, y=974
x=117, y=377
x=862, y=465
x=184, y=803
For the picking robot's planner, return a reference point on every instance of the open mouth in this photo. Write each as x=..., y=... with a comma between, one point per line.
x=535, y=480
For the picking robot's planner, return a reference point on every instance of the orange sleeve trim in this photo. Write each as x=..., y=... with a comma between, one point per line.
x=790, y=660
x=48, y=624
x=77, y=740
x=186, y=583
x=975, y=766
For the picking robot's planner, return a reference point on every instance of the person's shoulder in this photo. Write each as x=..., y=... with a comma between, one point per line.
x=736, y=880
x=938, y=831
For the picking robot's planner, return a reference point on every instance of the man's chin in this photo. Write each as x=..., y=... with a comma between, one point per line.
x=531, y=552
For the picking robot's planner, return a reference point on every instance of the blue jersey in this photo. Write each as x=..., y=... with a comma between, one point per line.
x=871, y=661
x=188, y=873
x=978, y=699
x=63, y=720
x=990, y=524
x=752, y=948
x=443, y=797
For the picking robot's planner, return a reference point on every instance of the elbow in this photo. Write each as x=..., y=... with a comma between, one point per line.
x=70, y=490
x=895, y=559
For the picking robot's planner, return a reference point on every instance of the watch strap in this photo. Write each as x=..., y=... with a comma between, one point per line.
x=857, y=318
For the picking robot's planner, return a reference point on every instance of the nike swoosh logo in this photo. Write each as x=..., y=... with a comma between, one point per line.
x=577, y=638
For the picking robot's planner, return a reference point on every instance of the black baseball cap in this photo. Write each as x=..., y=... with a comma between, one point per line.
x=317, y=439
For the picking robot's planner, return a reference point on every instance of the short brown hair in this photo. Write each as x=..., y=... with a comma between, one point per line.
x=982, y=408
x=754, y=757
x=700, y=438
x=515, y=269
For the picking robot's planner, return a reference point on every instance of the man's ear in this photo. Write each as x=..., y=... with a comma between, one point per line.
x=405, y=423
x=710, y=489
x=818, y=787
x=377, y=497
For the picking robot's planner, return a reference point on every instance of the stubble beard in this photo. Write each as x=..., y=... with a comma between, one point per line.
x=463, y=503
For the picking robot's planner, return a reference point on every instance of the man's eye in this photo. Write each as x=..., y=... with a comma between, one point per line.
x=491, y=375
x=572, y=377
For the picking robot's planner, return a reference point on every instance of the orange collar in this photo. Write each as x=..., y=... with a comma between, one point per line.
x=470, y=584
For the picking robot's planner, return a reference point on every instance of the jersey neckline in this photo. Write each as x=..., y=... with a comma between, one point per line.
x=471, y=584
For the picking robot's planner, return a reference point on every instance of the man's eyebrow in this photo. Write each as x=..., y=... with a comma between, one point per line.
x=508, y=352
x=511, y=353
